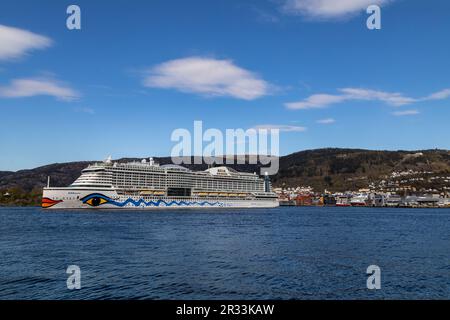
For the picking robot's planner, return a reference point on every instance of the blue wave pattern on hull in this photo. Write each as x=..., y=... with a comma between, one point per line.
x=142, y=202
x=167, y=204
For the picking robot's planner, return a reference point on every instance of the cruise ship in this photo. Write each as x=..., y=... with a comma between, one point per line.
x=148, y=185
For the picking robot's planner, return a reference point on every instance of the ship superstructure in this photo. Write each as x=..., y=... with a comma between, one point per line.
x=146, y=184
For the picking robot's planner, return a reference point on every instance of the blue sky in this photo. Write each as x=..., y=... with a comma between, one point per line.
x=138, y=70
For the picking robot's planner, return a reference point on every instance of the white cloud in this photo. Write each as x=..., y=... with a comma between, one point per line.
x=328, y=9
x=395, y=99
x=282, y=128
x=405, y=113
x=19, y=88
x=316, y=101
x=326, y=121
x=440, y=95
x=208, y=77
x=353, y=94
x=14, y=43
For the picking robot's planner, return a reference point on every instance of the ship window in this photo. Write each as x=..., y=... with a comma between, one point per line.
x=179, y=192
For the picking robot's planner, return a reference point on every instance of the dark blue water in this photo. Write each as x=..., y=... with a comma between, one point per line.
x=284, y=253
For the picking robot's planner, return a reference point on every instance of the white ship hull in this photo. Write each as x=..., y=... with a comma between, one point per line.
x=71, y=198
x=146, y=185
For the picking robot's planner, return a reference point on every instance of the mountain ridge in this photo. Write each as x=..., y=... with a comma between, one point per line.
x=335, y=169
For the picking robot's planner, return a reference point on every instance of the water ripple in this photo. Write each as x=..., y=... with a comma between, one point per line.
x=284, y=253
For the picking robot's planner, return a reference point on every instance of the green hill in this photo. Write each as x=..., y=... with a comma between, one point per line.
x=350, y=169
